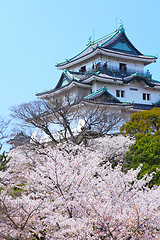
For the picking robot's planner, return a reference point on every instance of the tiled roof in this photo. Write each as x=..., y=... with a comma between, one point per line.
x=69, y=78
x=91, y=47
x=157, y=104
x=99, y=93
x=116, y=41
x=96, y=94
x=77, y=75
x=142, y=106
x=139, y=78
x=156, y=82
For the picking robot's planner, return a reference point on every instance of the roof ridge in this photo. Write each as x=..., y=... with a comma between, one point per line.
x=70, y=59
x=110, y=38
x=147, y=55
x=71, y=75
x=106, y=36
x=102, y=90
x=94, y=42
x=98, y=91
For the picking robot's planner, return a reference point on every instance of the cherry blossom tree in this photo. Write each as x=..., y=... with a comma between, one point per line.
x=67, y=193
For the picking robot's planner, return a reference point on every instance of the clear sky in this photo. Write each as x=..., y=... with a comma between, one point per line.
x=36, y=34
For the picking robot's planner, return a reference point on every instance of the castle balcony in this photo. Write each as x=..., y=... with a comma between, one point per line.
x=116, y=72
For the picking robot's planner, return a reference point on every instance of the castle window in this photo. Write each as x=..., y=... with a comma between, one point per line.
x=120, y=93
x=117, y=93
x=134, y=89
x=82, y=69
x=123, y=67
x=105, y=65
x=146, y=96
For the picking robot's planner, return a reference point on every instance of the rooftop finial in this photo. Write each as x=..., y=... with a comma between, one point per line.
x=121, y=28
x=89, y=41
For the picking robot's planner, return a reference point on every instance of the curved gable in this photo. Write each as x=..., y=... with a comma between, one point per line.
x=138, y=79
x=121, y=43
x=64, y=80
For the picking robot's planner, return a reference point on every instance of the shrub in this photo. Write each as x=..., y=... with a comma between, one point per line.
x=142, y=122
x=146, y=151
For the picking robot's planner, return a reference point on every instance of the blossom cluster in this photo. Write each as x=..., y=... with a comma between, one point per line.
x=73, y=192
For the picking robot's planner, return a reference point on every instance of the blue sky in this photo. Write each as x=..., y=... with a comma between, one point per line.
x=36, y=34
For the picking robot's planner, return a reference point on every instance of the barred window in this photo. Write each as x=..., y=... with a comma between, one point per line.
x=146, y=96
x=120, y=93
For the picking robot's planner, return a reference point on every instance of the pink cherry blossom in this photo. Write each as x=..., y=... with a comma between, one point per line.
x=72, y=192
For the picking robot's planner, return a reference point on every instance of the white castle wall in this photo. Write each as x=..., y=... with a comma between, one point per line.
x=130, y=95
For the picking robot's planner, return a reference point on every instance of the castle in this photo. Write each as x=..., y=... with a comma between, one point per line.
x=110, y=71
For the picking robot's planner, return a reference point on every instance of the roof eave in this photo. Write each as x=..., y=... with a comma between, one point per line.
x=75, y=61
x=119, y=104
x=141, y=58
x=54, y=91
x=108, y=79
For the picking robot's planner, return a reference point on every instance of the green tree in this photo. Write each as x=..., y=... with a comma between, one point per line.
x=145, y=126
x=4, y=159
x=142, y=122
x=146, y=151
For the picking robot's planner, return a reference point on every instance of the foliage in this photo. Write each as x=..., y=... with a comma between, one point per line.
x=146, y=151
x=65, y=201
x=4, y=159
x=142, y=122
x=16, y=191
x=145, y=126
